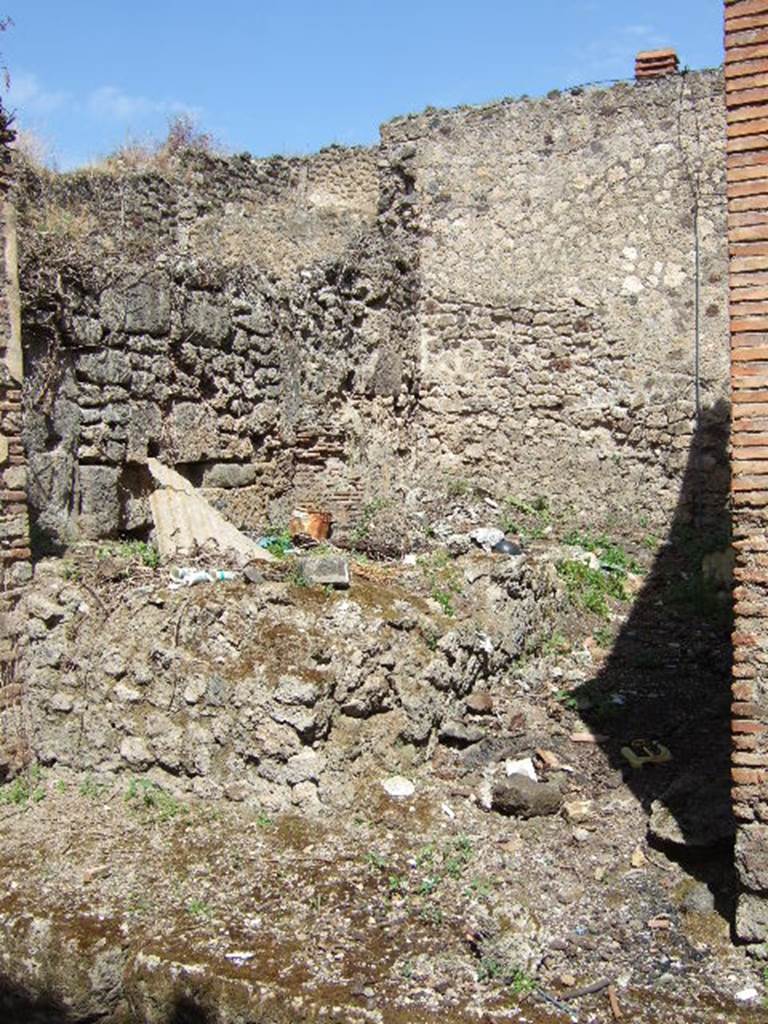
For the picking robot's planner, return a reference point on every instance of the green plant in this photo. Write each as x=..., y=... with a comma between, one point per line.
x=442, y=578
x=278, y=541
x=603, y=636
x=70, y=571
x=428, y=885
x=459, y=488
x=198, y=908
x=297, y=578
x=431, y=914
x=589, y=588
x=135, y=550
x=554, y=643
x=263, y=820
x=612, y=556
x=25, y=787
x=375, y=860
x=457, y=856
x=398, y=886
x=362, y=527
x=529, y=519
x=480, y=887
x=490, y=968
x=520, y=982
x=145, y=795
x=92, y=789
x=568, y=698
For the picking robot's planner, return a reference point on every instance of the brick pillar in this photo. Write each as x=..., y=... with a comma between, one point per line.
x=746, y=82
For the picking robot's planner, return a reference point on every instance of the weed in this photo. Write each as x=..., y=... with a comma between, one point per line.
x=60, y=786
x=148, y=796
x=428, y=885
x=363, y=526
x=398, y=886
x=530, y=519
x=70, y=571
x=588, y=588
x=278, y=541
x=490, y=968
x=134, y=550
x=518, y=980
x=442, y=578
x=198, y=908
x=431, y=914
x=457, y=856
x=92, y=789
x=407, y=969
x=480, y=887
x=297, y=578
x=375, y=860
x=459, y=488
x=443, y=598
x=603, y=636
x=554, y=643
x=24, y=788
x=264, y=820
x=568, y=699
x=612, y=556
x=426, y=855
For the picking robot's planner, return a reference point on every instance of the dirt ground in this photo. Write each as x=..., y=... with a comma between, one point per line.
x=127, y=898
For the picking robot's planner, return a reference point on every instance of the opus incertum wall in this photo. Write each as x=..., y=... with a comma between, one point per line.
x=746, y=83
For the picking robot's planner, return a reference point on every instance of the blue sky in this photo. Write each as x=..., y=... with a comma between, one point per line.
x=87, y=75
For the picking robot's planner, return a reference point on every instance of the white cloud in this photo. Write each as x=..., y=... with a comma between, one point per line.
x=28, y=95
x=111, y=103
x=613, y=56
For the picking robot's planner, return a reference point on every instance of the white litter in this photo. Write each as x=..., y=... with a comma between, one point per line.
x=448, y=811
x=746, y=995
x=486, y=537
x=398, y=786
x=522, y=767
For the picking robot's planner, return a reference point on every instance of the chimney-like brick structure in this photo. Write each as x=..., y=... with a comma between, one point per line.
x=656, y=64
x=746, y=83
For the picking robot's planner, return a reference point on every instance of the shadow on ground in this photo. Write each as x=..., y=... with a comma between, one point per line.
x=18, y=1006
x=670, y=668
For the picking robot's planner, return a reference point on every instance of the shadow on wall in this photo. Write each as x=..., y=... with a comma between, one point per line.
x=668, y=676
x=17, y=1006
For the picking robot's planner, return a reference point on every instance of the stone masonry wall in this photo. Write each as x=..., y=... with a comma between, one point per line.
x=504, y=295
x=746, y=73
x=241, y=366
x=557, y=271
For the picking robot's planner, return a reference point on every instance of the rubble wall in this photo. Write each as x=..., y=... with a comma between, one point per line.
x=557, y=260
x=241, y=320
x=746, y=25
x=275, y=693
x=504, y=296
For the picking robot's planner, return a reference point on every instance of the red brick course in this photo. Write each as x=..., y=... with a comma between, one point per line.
x=746, y=77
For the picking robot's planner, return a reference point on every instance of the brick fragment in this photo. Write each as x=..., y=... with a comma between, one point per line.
x=747, y=776
x=748, y=126
x=744, y=742
x=748, y=760
x=748, y=728
x=743, y=690
x=743, y=8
